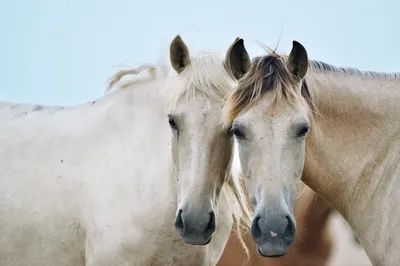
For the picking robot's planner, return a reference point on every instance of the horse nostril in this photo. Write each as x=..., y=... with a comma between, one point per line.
x=179, y=223
x=211, y=224
x=255, y=228
x=290, y=230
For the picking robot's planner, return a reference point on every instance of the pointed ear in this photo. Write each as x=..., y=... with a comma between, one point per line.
x=237, y=59
x=179, y=54
x=298, y=60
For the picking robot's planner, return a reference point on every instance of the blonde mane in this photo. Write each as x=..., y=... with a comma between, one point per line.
x=319, y=66
x=208, y=75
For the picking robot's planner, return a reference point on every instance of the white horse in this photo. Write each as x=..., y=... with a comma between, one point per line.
x=94, y=185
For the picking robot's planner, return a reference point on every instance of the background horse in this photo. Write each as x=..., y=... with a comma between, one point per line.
x=336, y=128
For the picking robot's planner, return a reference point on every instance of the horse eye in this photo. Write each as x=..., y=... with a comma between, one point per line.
x=172, y=123
x=303, y=131
x=237, y=132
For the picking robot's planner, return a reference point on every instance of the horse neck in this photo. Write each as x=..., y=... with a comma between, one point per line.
x=352, y=140
x=136, y=115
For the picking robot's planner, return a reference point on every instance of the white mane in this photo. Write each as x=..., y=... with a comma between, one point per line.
x=206, y=73
x=139, y=75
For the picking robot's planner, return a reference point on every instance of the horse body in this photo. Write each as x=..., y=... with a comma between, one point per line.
x=353, y=157
x=337, y=129
x=41, y=201
x=90, y=185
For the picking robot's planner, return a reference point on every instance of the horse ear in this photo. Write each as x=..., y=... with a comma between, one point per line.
x=237, y=59
x=179, y=54
x=298, y=60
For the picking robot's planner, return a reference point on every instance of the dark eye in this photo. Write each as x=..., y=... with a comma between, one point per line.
x=172, y=122
x=237, y=132
x=303, y=131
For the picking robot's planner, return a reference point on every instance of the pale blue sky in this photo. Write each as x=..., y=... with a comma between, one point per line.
x=63, y=51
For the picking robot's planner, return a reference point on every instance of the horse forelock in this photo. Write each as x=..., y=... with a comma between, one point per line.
x=205, y=74
x=267, y=73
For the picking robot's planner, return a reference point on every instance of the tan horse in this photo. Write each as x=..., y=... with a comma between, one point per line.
x=337, y=129
x=312, y=246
